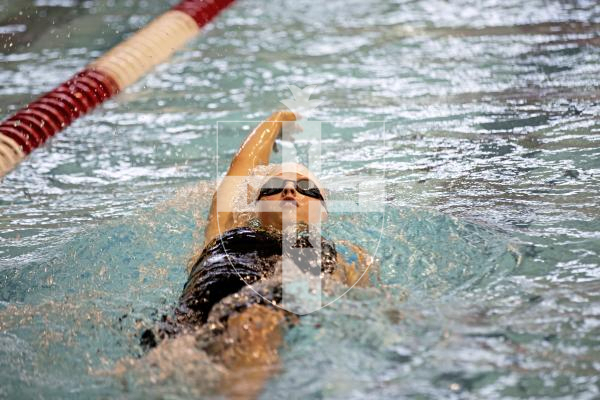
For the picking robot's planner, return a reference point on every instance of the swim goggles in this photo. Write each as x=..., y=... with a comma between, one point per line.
x=303, y=186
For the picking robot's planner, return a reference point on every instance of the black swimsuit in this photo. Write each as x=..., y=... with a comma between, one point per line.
x=218, y=284
x=240, y=257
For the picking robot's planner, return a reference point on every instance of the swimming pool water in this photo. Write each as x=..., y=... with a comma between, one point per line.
x=489, y=266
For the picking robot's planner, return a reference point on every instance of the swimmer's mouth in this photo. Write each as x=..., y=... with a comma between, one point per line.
x=289, y=202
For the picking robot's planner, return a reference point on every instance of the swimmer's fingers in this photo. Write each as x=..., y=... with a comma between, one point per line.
x=283, y=116
x=291, y=116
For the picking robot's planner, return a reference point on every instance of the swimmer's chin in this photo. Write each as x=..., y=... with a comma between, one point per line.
x=291, y=204
x=287, y=208
x=288, y=213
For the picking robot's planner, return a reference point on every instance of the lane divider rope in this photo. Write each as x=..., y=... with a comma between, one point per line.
x=31, y=126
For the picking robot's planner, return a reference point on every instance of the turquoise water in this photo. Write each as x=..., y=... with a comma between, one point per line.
x=489, y=269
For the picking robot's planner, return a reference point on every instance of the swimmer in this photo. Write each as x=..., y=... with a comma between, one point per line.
x=241, y=326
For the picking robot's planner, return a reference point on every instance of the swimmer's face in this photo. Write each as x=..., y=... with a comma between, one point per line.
x=290, y=206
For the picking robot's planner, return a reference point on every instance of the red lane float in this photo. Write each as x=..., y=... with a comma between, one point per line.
x=202, y=11
x=31, y=126
x=43, y=118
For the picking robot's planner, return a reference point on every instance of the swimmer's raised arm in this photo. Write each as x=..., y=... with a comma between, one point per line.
x=256, y=150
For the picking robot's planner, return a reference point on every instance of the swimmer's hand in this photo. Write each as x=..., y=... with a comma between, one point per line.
x=285, y=116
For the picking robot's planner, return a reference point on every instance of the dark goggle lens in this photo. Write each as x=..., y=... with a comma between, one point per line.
x=268, y=192
x=303, y=186
x=308, y=188
x=273, y=186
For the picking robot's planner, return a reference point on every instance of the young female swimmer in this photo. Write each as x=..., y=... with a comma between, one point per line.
x=234, y=288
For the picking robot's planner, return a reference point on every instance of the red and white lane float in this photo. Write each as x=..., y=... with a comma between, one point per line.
x=124, y=64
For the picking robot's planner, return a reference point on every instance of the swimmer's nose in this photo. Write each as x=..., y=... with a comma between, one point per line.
x=289, y=190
